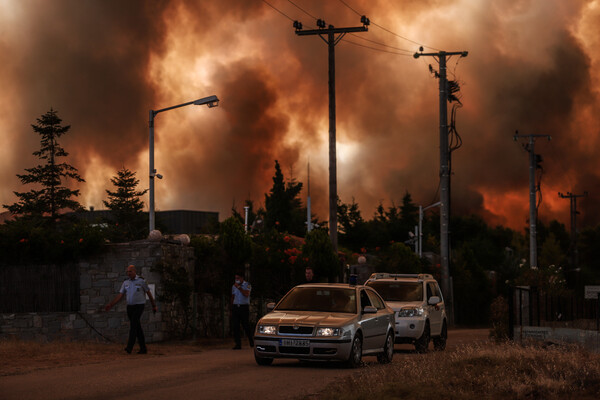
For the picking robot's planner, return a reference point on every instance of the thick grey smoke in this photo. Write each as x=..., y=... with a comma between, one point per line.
x=103, y=65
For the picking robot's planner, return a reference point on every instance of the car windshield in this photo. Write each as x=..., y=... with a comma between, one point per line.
x=340, y=300
x=398, y=291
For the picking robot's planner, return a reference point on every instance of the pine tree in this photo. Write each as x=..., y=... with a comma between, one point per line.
x=126, y=205
x=283, y=205
x=49, y=176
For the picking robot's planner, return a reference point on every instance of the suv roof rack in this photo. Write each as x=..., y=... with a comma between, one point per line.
x=385, y=275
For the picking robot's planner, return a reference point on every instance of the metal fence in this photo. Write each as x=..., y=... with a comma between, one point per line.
x=39, y=288
x=529, y=306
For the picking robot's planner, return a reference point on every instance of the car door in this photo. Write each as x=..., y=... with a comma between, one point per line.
x=383, y=319
x=435, y=311
x=369, y=323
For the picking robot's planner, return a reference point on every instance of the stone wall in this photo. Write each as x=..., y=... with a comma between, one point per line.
x=100, y=281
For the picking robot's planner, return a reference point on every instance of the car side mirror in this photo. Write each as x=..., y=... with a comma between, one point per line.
x=270, y=307
x=433, y=300
x=369, y=310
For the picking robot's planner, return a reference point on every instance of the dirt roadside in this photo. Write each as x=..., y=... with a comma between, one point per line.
x=176, y=371
x=19, y=357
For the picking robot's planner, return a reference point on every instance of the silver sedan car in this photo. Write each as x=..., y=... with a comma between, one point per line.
x=326, y=322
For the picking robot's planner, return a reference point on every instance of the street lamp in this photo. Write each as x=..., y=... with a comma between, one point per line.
x=210, y=101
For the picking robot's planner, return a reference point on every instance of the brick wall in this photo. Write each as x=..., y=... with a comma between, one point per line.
x=100, y=280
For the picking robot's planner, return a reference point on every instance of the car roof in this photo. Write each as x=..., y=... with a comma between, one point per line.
x=331, y=285
x=384, y=276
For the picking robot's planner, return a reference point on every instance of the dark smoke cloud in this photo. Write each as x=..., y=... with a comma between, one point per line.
x=88, y=61
x=103, y=65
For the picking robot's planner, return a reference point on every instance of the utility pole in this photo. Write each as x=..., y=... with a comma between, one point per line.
x=574, y=212
x=309, y=225
x=328, y=35
x=534, y=159
x=442, y=58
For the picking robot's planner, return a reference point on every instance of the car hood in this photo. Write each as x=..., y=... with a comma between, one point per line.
x=308, y=318
x=397, y=305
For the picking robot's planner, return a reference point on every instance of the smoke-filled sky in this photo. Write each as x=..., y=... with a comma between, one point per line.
x=104, y=64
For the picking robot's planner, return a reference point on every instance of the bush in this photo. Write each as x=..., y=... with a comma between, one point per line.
x=34, y=240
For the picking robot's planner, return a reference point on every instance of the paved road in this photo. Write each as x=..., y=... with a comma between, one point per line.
x=213, y=374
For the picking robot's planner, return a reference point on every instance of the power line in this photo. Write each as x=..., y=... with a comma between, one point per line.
x=405, y=52
x=278, y=10
x=387, y=30
x=409, y=52
x=347, y=5
x=373, y=48
x=302, y=9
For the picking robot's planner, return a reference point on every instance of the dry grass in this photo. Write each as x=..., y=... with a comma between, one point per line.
x=480, y=371
x=20, y=357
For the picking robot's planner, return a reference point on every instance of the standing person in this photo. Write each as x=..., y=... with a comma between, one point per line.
x=134, y=289
x=240, y=310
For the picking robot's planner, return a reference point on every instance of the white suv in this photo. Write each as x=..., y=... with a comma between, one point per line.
x=418, y=308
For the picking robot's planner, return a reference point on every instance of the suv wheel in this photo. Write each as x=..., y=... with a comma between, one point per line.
x=355, y=353
x=422, y=343
x=388, y=350
x=439, y=343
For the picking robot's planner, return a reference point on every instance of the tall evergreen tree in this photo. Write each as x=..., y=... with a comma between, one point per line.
x=409, y=212
x=283, y=205
x=49, y=176
x=126, y=205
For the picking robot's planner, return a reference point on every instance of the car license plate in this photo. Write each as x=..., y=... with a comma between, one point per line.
x=294, y=342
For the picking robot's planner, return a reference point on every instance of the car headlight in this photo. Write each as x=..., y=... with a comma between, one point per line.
x=267, y=329
x=411, y=312
x=329, y=331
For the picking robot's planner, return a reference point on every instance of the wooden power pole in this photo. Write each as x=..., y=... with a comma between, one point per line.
x=332, y=36
x=442, y=58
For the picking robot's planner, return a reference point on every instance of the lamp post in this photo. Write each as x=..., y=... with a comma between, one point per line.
x=420, y=230
x=210, y=101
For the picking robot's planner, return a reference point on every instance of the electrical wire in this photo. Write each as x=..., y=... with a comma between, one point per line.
x=376, y=49
x=404, y=52
x=302, y=9
x=278, y=10
x=94, y=329
x=409, y=52
x=387, y=30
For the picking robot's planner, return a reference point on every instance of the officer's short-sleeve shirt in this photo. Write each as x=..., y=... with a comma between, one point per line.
x=238, y=297
x=134, y=290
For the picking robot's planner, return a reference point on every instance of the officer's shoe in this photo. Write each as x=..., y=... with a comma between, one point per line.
x=143, y=351
x=237, y=347
x=128, y=350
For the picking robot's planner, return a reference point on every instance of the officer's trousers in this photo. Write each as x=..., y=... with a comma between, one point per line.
x=134, y=313
x=240, y=315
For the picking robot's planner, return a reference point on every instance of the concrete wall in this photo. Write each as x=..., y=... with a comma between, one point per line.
x=100, y=280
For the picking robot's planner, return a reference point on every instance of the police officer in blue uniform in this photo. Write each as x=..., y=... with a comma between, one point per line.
x=240, y=310
x=134, y=289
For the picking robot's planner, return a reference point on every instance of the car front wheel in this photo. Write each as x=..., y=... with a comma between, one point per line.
x=388, y=350
x=439, y=343
x=355, y=353
x=422, y=343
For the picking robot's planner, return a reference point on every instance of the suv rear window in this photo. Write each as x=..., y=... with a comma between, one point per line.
x=398, y=291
